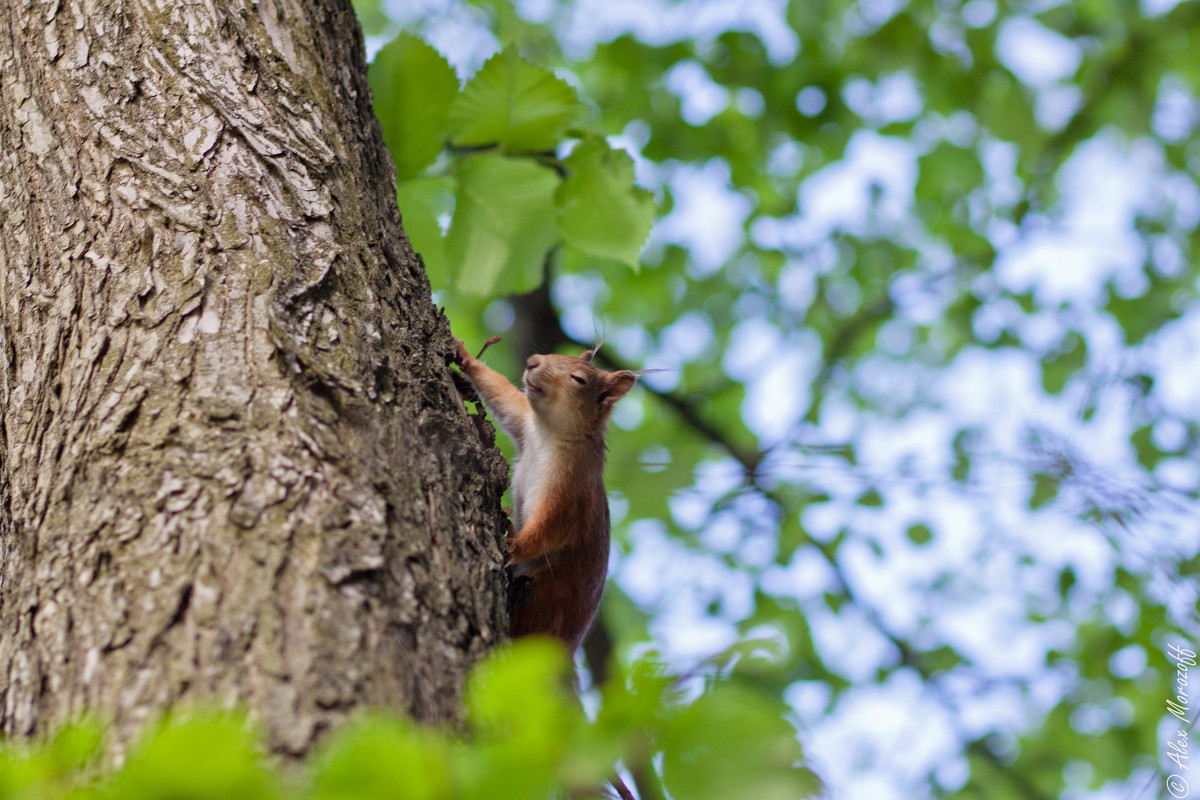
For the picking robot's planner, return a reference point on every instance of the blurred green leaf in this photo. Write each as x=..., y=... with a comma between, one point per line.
x=422, y=201
x=1066, y=579
x=413, y=88
x=1045, y=489
x=1069, y=359
x=600, y=211
x=523, y=720
x=733, y=743
x=919, y=534
x=1143, y=444
x=948, y=173
x=870, y=498
x=76, y=746
x=503, y=224
x=1141, y=315
x=378, y=757
x=371, y=16
x=200, y=757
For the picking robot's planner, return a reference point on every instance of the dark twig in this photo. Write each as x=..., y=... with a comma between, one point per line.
x=491, y=341
x=621, y=789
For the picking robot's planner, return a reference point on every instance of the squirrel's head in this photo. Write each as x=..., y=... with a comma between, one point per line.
x=570, y=395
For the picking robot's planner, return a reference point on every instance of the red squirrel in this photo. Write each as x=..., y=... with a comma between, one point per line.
x=560, y=509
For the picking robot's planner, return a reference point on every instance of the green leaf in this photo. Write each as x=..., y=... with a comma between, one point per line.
x=413, y=88
x=631, y=711
x=870, y=498
x=371, y=16
x=941, y=659
x=920, y=534
x=1142, y=315
x=1142, y=440
x=210, y=756
x=1066, y=580
x=523, y=720
x=732, y=742
x=1059, y=367
x=520, y=691
x=948, y=174
x=373, y=757
x=47, y=769
x=1045, y=489
x=963, y=445
x=1003, y=107
x=75, y=746
x=634, y=701
x=422, y=201
x=600, y=210
x=514, y=105
x=503, y=224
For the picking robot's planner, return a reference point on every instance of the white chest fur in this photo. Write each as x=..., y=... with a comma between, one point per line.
x=534, y=467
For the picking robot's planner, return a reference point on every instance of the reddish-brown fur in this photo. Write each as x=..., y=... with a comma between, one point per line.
x=560, y=507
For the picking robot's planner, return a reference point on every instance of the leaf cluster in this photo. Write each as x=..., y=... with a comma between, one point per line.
x=508, y=197
x=526, y=736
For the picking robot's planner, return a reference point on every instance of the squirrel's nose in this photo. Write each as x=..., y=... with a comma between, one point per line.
x=532, y=363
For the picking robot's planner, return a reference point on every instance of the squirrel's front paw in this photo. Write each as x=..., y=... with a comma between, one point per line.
x=461, y=356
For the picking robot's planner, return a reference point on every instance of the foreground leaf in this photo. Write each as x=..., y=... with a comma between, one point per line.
x=219, y=754
x=375, y=757
x=523, y=719
x=733, y=743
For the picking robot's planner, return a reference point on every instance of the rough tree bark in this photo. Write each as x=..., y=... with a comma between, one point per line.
x=233, y=466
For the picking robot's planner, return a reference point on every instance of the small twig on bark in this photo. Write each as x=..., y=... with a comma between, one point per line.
x=491, y=341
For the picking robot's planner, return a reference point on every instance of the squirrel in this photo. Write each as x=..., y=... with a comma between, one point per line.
x=560, y=509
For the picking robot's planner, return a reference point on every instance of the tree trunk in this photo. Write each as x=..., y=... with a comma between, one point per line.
x=233, y=466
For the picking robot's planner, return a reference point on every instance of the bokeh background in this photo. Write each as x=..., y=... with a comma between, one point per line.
x=922, y=456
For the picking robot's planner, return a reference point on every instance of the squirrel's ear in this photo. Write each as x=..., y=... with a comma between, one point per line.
x=617, y=385
x=588, y=355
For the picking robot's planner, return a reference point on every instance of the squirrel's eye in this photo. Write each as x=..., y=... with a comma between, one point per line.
x=579, y=380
